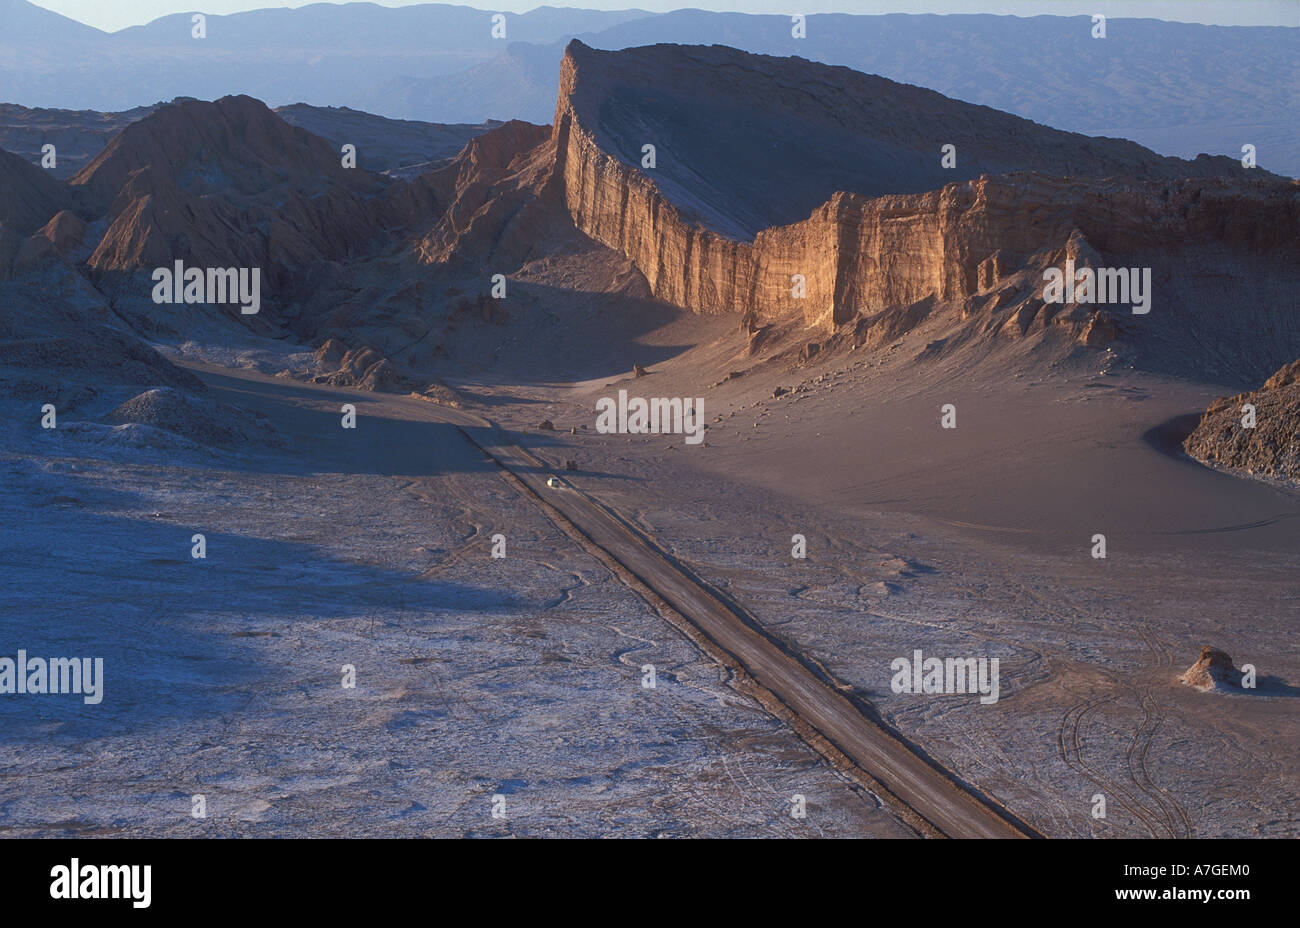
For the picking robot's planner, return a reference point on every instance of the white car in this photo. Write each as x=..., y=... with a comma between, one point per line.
x=554, y=481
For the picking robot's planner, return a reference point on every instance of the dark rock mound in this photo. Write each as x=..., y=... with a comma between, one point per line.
x=1272, y=447
x=200, y=421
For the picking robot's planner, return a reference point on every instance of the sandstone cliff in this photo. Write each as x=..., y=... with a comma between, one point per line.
x=694, y=224
x=744, y=142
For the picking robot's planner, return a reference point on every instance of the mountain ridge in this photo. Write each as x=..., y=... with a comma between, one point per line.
x=398, y=267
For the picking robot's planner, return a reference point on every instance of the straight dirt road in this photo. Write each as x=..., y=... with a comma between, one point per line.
x=928, y=792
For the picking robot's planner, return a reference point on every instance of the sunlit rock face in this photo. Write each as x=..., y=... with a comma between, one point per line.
x=823, y=192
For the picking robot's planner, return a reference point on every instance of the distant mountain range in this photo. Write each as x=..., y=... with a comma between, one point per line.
x=1178, y=88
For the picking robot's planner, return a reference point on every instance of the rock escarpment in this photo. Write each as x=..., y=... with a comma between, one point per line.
x=694, y=224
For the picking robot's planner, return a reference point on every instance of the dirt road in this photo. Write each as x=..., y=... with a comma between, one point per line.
x=930, y=793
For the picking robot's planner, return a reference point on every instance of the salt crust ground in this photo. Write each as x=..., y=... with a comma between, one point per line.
x=977, y=542
x=474, y=677
x=973, y=542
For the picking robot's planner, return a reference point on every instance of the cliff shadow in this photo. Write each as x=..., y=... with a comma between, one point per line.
x=189, y=642
x=560, y=335
x=308, y=421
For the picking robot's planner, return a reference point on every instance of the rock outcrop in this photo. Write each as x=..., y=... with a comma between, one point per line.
x=1263, y=443
x=1213, y=671
x=365, y=368
x=704, y=225
x=489, y=198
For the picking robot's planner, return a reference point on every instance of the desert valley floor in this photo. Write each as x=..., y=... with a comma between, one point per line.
x=522, y=676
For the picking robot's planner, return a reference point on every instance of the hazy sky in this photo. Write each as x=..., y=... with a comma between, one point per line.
x=117, y=14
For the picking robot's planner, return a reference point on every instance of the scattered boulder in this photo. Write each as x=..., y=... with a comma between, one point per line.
x=759, y=338
x=731, y=375
x=546, y=426
x=1213, y=671
x=638, y=371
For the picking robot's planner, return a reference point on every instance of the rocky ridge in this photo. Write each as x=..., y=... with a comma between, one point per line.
x=867, y=240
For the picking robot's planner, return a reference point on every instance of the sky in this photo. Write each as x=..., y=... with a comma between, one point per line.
x=118, y=14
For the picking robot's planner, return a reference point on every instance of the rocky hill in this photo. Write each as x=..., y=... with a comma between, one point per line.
x=1268, y=448
x=233, y=146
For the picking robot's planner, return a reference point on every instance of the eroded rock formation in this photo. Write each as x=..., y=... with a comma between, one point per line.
x=804, y=198
x=695, y=226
